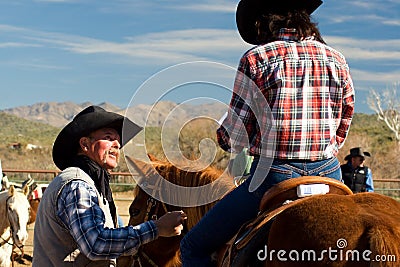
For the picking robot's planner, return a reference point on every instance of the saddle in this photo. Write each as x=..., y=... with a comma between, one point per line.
x=254, y=234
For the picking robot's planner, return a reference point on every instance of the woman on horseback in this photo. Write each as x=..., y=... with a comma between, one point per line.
x=292, y=105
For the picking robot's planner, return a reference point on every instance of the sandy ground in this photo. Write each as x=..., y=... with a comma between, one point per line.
x=123, y=201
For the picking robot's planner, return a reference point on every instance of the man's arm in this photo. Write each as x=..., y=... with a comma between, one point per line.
x=78, y=209
x=369, y=181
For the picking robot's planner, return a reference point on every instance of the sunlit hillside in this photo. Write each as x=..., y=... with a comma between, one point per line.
x=366, y=131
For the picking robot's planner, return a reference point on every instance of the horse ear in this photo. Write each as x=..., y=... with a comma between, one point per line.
x=11, y=190
x=152, y=157
x=143, y=168
x=25, y=190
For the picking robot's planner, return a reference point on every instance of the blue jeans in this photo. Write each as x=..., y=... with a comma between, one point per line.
x=223, y=221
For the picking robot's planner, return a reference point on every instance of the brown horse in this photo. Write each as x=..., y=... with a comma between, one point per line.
x=336, y=229
x=358, y=230
x=339, y=229
x=145, y=207
x=34, y=196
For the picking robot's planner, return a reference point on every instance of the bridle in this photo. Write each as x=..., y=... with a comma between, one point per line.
x=11, y=236
x=152, y=208
x=153, y=205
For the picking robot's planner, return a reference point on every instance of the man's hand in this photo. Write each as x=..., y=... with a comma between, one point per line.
x=170, y=224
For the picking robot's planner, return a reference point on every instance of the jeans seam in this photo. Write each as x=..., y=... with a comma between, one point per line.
x=335, y=168
x=295, y=169
x=281, y=171
x=317, y=170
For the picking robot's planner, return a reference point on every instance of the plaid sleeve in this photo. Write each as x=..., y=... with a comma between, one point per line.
x=79, y=211
x=238, y=127
x=347, y=112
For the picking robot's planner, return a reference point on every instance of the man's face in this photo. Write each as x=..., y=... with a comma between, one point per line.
x=102, y=146
x=357, y=161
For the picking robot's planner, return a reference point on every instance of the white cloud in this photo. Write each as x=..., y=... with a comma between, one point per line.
x=362, y=49
x=366, y=4
x=391, y=22
x=17, y=44
x=209, y=6
x=197, y=44
x=128, y=6
x=367, y=19
x=203, y=44
x=338, y=18
x=58, y=1
x=33, y=65
x=10, y=28
x=171, y=47
x=376, y=77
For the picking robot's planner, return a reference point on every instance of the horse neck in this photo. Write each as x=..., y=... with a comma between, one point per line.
x=4, y=223
x=198, y=178
x=194, y=214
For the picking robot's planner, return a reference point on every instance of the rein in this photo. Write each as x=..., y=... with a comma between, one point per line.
x=152, y=209
x=152, y=204
x=14, y=255
x=5, y=241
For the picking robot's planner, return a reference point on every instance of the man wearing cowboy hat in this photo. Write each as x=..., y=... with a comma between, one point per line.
x=355, y=175
x=76, y=219
x=290, y=84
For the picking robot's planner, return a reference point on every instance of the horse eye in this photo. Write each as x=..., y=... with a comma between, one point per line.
x=135, y=212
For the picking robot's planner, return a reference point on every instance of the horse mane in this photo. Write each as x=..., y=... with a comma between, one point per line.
x=3, y=211
x=189, y=176
x=4, y=195
x=3, y=198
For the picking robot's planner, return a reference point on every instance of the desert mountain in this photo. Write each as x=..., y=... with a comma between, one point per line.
x=59, y=114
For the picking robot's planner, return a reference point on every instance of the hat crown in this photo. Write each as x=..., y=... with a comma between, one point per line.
x=355, y=151
x=358, y=151
x=249, y=11
x=88, y=110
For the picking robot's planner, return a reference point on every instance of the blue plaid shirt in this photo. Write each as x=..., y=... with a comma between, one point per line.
x=78, y=209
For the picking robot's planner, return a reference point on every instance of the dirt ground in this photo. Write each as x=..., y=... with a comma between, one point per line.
x=122, y=200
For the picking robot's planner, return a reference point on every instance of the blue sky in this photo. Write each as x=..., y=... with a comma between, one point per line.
x=104, y=50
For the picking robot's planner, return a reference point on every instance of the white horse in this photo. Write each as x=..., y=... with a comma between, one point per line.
x=14, y=216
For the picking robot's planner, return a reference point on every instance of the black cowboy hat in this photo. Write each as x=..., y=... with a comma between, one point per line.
x=88, y=120
x=249, y=11
x=357, y=151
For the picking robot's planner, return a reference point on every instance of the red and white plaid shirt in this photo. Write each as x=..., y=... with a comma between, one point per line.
x=292, y=99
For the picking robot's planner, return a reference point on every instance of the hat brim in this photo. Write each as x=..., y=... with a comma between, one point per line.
x=66, y=145
x=249, y=11
x=365, y=153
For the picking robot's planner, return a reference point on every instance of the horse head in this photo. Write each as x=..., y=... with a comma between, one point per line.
x=18, y=211
x=152, y=200
x=148, y=204
x=35, y=193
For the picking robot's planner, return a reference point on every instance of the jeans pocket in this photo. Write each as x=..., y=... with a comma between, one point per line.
x=275, y=175
x=278, y=174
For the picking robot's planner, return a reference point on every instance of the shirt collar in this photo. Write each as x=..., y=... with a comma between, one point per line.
x=286, y=34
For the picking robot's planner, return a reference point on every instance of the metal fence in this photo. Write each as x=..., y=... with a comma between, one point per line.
x=125, y=182
x=122, y=184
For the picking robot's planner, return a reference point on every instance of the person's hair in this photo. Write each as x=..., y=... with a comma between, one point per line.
x=268, y=26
